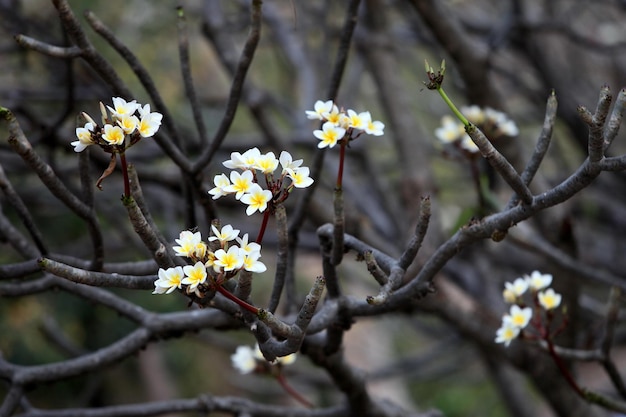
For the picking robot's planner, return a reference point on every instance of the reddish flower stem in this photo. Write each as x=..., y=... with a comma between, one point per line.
x=252, y=309
x=125, y=174
x=266, y=217
x=289, y=389
x=342, y=157
x=564, y=371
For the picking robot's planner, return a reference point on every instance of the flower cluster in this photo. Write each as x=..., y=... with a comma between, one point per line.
x=214, y=262
x=340, y=124
x=494, y=124
x=519, y=315
x=126, y=124
x=247, y=360
x=245, y=185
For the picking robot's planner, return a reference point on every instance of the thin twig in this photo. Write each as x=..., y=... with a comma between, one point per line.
x=185, y=68
x=236, y=89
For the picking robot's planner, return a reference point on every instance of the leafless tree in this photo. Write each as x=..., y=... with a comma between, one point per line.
x=550, y=200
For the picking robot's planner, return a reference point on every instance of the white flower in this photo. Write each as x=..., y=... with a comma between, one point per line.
x=188, y=242
x=168, y=280
x=221, y=181
x=287, y=360
x=149, y=122
x=229, y=261
x=474, y=114
x=244, y=360
x=225, y=235
x=248, y=247
x=84, y=137
x=247, y=160
x=518, y=287
x=358, y=120
x=195, y=275
x=518, y=317
x=256, y=199
x=122, y=107
x=450, y=130
x=509, y=296
x=338, y=118
x=329, y=135
x=114, y=135
x=549, y=299
x=266, y=163
x=495, y=116
x=321, y=110
x=538, y=281
x=374, y=127
x=468, y=144
x=240, y=183
x=288, y=163
x=507, y=333
x=128, y=123
x=251, y=262
x=508, y=128
x=300, y=177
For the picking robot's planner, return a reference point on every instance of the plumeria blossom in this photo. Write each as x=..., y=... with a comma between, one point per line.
x=339, y=124
x=84, y=137
x=256, y=168
x=474, y=114
x=114, y=135
x=329, y=135
x=450, y=130
x=300, y=177
x=247, y=160
x=209, y=269
x=225, y=235
x=248, y=247
x=187, y=242
x=518, y=316
x=374, y=127
x=256, y=199
x=169, y=280
x=359, y=120
x=244, y=360
x=122, y=126
x=149, y=122
x=321, y=110
x=549, y=299
x=240, y=183
x=538, y=281
x=468, y=144
x=494, y=124
x=123, y=108
x=522, y=316
x=221, y=181
x=228, y=260
x=338, y=118
x=518, y=287
x=267, y=163
x=507, y=333
x=287, y=162
x=128, y=123
x=251, y=262
x=512, y=324
x=194, y=275
x=247, y=359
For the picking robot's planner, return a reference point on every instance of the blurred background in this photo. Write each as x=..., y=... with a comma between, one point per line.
x=507, y=55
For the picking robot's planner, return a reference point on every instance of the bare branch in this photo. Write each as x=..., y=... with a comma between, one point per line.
x=47, y=49
x=97, y=279
x=500, y=164
x=236, y=89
